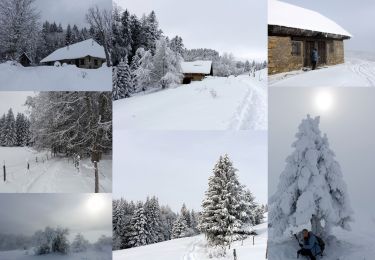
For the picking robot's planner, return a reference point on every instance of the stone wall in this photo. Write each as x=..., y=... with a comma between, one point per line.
x=280, y=58
x=337, y=56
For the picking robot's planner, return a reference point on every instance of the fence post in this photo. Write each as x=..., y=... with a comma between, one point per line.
x=234, y=254
x=28, y=166
x=96, y=177
x=36, y=159
x=253, y=240
x=5, y=172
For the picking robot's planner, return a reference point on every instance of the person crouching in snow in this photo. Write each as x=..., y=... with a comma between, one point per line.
x=314, y=58
x=310, y=246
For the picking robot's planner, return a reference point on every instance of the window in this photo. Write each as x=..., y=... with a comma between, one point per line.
x=96, y=62
x=296, y=48
x=82, y=61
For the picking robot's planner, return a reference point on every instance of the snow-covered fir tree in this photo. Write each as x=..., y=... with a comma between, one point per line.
x=179, y=228
x=142, y=67
x=225, y=208
x=137, y=234
x=79, y=244
x=311, y=188
x=154, y=222
x=9, y=130
x=124, y=84
x=176, y=44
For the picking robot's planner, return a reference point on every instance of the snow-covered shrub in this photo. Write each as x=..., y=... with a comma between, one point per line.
x=57, y=64
x=51, y=241
x=83, y=74
x=80, y=244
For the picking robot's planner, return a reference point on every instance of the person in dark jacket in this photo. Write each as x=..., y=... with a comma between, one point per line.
x=310, y=246
x=314, y=58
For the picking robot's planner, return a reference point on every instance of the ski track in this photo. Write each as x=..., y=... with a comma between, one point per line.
x=249, y=114
x=190, y=254
x=365, y=70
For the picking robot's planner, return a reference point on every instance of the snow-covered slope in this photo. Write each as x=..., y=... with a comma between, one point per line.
x=216, y=103
x=355, y=72
x=56, y=174
x=44, y=78
x=195, y=248
x=26, y=255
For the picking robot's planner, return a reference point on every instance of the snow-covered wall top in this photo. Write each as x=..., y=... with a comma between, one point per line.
x=288, y=15
x=78, y=50
x=198, y=66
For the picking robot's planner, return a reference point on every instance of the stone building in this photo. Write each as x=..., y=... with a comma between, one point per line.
x=293, y=32
x=196, y=70
x=87, y=54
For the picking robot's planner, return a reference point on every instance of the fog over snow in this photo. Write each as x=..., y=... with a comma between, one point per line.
x=68, y=11
x=350, y=130
x=175, y=165
x=236, y=27
x=354, y=16
x=14, y=100
x=27, y=213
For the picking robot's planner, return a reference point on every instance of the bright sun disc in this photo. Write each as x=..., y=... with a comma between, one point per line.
x=324, y=100
x=95, y=203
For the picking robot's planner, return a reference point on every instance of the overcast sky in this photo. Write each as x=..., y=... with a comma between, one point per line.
x=357, y=17
x=239, y=28
x=175, y=165
x=350, y=129
x=27, y=213
x=14, y=100
x=68, y=11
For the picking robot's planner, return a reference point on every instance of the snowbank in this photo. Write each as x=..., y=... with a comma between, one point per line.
x=50, y=78
x=288, y=15
x=28, y=255
x=216, y=103
x=355, y=72
x=52, y=175
x=192, y=248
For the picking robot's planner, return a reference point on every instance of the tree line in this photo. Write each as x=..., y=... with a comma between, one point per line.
x=14, y=131
x=229, y=212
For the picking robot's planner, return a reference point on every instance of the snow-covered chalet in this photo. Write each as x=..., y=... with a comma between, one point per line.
x=196, y=70
x=87, y=54
x=293, y=32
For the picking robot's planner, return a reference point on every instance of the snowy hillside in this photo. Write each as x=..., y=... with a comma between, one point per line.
x=28, y=254
x=56, y=174
x=357, y=71
x=43, y=78
x=195, y=248
x=216, y=103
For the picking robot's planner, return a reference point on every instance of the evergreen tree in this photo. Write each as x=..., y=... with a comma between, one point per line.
x=154, y=222
x=311, y=188
x=179, y=228
x=124, y=82
x=142, y=67
x=10, y=135
x=221, y=219
x=68, y=36
x=138, y=234
x=176, y=45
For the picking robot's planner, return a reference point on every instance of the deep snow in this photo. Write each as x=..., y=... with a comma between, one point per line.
x=28, y=255
x=195, y=248
x=357, y=71
x=55, y=175
x=216, y=103
x=50, y=78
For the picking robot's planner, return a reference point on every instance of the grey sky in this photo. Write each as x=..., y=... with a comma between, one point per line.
x=27, y=213
x=68, y=11
x=357, y=17
x=350, y=130
x=175, y=165
x=14, y=100
x=239, y=28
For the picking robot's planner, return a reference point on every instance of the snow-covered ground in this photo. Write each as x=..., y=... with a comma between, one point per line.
x=216, y=103
x=28, y=255
x=348, y=245
x=195, y=248
x=56, y=174
x=357, y=71
x=50, y=78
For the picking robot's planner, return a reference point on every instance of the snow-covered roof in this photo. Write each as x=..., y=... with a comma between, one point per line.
x=198, y=66
x=288, y=15
x=78, y=50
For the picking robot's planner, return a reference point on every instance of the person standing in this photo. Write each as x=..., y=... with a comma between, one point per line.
x=314, y=58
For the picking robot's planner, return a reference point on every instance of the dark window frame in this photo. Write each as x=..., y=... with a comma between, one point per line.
x=296, y=48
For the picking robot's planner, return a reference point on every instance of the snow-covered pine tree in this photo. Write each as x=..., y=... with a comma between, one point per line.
x=68, y=36
x=80, y=244
x=124, y=80
x=2, y=130
x=10, y=135
x=154, y=222
x=186, y=215
x=176, y=44
x=221, y=218
x=168, y=217
x=137, y=234
x=142, y=66
x=179, y=229
x=311, y=188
